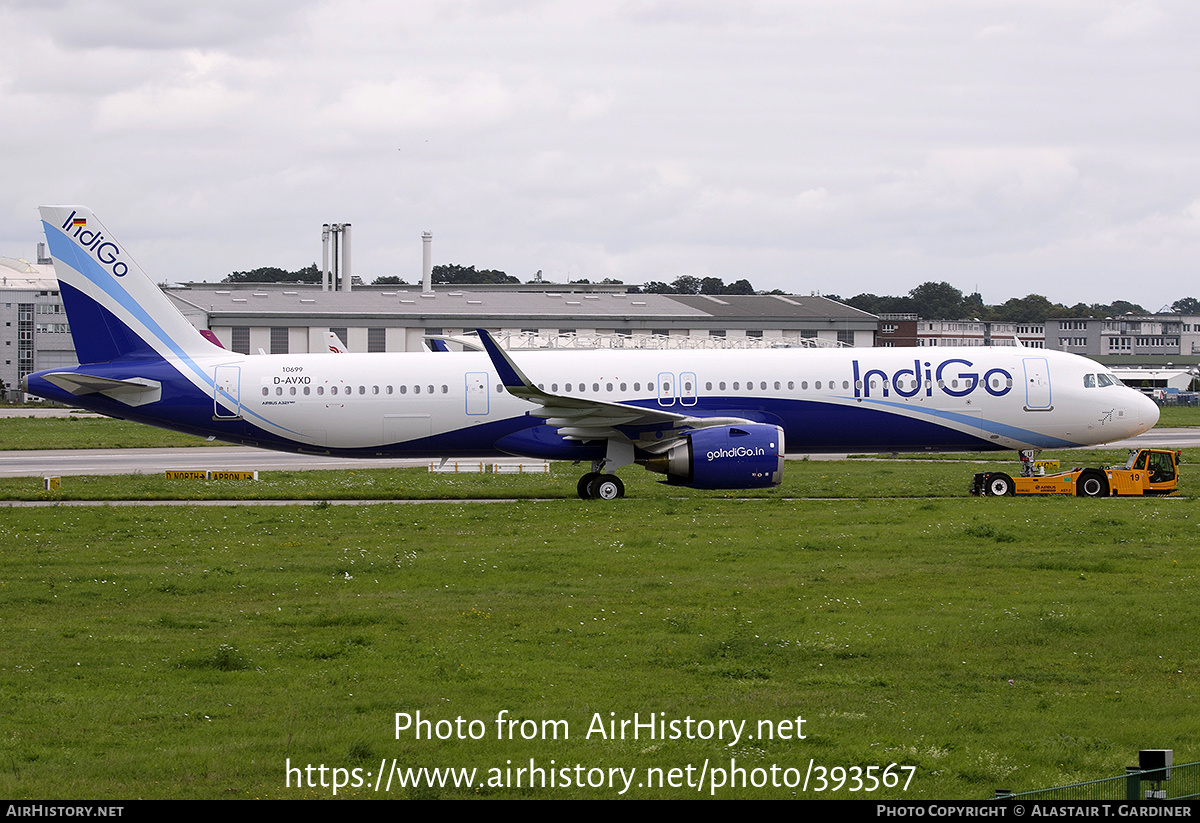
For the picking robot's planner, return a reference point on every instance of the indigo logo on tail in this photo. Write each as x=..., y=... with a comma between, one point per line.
x=105, y=250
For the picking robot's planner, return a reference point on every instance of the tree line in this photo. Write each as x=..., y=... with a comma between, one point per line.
x=930, y=301
x=941, y=301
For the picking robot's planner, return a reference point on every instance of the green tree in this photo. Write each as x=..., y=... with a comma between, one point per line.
x=686, y=284
x=272, y=274
x=1121, y=307
x=875, y=304
x=938, y=301
x=739, y=287
x=657, y=287
x=451, y=274
x=1033, y=308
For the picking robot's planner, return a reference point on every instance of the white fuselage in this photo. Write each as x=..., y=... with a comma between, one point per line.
x=1009, y=398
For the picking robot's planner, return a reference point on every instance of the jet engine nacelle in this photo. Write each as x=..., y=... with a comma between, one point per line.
x=748, y=456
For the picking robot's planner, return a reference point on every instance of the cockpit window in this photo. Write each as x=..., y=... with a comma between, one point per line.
x=1089, y=381
x=1107, y=380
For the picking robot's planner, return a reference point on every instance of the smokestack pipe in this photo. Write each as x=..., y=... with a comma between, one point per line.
x=346, y=283
x=325, y=257
x=426, y=262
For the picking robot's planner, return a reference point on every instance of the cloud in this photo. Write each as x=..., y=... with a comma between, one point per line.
x=413, y=101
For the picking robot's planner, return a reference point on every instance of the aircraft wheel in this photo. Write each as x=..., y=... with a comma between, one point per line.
x=585, y=485
x=607, y=487
x=1000, y=485
x=1091, y=484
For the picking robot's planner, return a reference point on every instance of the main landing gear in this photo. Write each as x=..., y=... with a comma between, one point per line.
x=597, y=486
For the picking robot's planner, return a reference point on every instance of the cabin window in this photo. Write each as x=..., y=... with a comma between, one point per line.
x=266, y=391
x=817, y=384
x=404, y=389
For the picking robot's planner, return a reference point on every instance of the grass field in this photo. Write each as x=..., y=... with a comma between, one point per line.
x=76, y=432
x=1175, y=416
x=866, y=477
x=195, y=651
x=980, y=643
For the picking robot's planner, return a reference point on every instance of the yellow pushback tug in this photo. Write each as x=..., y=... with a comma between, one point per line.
x=1147, y=471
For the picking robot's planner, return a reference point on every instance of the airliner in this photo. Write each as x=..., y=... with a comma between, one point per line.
x=704, y=419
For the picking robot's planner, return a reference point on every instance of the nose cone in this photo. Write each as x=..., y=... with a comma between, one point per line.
x=1147, y=412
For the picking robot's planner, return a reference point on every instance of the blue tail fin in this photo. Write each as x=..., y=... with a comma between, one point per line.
x=115, y=310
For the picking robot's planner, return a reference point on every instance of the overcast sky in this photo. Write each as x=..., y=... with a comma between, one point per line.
x=835, y=146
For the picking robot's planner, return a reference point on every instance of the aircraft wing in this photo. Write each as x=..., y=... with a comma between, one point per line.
x=582, y=418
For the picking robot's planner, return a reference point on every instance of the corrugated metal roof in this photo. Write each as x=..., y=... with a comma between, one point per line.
x=263, y=301
x=789, y=307
x=268, y=300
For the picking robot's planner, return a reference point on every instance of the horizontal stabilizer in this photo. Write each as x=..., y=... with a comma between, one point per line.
x=133, y=392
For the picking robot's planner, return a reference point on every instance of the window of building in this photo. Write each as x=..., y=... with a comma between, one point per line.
x=240, y=339
x=376, y=340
